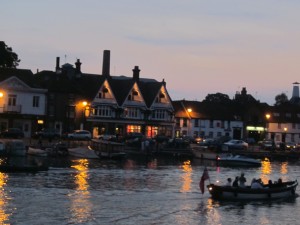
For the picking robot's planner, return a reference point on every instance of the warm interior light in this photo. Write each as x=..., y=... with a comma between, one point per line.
x=189, y=110
x=1, y=94
x=40, y=121
x=84, y=103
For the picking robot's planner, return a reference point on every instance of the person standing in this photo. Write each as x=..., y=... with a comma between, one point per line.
x=235, y=182
x=242, y=180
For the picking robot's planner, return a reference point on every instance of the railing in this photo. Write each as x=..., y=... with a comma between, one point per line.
x=12, y=108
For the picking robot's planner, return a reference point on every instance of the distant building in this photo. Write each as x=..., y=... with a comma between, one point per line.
x=199, y=119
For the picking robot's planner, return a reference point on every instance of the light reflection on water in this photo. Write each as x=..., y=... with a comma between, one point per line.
x=80, y=205
x=152, y=191
x=4, y=216
x=186, y=176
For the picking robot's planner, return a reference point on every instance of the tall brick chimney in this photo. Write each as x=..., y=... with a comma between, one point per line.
x=106, y=63
x=57, y=68
x=136, y=73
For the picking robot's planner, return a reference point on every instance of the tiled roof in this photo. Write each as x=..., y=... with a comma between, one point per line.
x=149, y=91
x=203, y=110
x=120, y=88
x=23, y=74
x=88, y=85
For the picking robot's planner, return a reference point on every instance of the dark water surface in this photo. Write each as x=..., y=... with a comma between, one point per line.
x=140, y=191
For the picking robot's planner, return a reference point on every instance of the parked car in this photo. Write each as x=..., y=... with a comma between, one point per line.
x=80, y=135
x=47, y=133
x=107, y=137
x=267, y=144
x=290, y=146
x=236, y=144
x=250, y=141
x=207, y=142
x=12, y=133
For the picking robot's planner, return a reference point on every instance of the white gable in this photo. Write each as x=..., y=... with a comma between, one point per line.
x=134, y=97
x=162, y=99
x=105, y=94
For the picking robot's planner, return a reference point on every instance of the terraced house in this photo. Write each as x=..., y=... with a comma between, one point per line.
x=106, y=104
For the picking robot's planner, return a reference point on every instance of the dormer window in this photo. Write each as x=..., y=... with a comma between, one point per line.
x=161, y=95
x=134, y=92
x=104, y=90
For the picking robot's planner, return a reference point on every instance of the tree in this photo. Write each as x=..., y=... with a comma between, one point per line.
x=8, y=59
x=281, y=99
x=217, y=98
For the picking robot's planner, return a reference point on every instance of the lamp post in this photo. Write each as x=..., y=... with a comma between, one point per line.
x=267, y=125
x=2, y=107
x=84, y=104
x=189, y=110
x=284, y=135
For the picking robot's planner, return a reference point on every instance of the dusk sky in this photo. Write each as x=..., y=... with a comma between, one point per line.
x=199, y=47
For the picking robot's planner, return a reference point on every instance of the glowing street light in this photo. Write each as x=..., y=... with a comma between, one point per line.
x=84, y=103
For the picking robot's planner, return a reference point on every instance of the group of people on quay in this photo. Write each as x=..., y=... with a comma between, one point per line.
x=255, y=183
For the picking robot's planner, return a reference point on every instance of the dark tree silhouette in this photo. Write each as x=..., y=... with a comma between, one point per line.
x=217, y=98
x=8, y=59
x=281, y=99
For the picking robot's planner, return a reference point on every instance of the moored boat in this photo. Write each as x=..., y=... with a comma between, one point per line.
x=237, y=160
x=108, y=149
x=83, y=152
x=277, y=191
x=37, y=152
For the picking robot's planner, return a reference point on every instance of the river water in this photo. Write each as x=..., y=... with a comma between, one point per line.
x=137, y=191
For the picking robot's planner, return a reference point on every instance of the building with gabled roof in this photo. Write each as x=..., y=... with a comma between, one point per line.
x=22, y=100
x=112, y=104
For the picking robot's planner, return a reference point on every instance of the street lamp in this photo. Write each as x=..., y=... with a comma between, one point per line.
x=2, y=105
x=84, y=104
x=189, y=110
x=267, y=125
x=284, y=135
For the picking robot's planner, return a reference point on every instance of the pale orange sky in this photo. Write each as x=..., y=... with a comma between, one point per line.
x=199, y=47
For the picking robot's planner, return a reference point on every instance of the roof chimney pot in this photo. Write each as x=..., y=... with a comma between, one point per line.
x=136, y=73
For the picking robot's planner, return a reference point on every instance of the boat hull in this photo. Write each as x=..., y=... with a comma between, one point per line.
x=237, y=160
x=238, y=163
x=288, y=189
x=108, y=149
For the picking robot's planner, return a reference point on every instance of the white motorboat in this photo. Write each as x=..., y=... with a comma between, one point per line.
x=237, y=160
x=83, y=152
x=37, y=152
